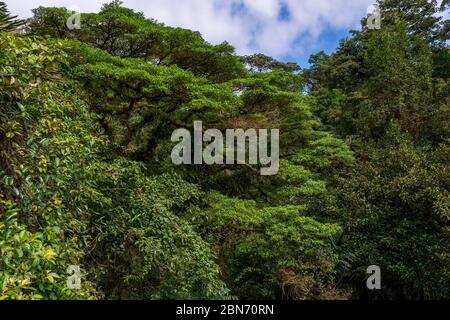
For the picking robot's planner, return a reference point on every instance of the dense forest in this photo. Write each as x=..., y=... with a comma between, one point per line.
x=86, y=177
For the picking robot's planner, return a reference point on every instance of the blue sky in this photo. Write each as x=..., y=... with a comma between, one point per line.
x=290, y=30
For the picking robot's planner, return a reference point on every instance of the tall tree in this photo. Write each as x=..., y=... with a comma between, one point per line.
x=387, y=91
x=422, y=17
x=8, y=22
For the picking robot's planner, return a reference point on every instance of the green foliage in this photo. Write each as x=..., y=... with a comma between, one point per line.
x=43, y=150
x=123, y=32
x=140, y=248
x=86, y=176
x=270, y=252
x=146, y=80
x=64, y=201
x=422, y=17
x=388, y=74
x=260, y=62
x=144, y=103
x=387, y=92
x=50, y=22
x=397, y=207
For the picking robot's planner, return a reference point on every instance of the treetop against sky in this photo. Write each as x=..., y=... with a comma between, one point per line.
x=290, y=30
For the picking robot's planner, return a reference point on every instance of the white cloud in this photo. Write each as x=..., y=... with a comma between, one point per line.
x=249, y=25
x=267, y=8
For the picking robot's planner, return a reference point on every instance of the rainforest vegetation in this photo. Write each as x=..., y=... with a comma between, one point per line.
x=86, y=178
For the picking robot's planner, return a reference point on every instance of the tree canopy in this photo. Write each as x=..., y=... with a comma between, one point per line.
x=86, y=177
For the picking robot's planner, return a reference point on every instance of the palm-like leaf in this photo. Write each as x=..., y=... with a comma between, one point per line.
x=8, y=22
